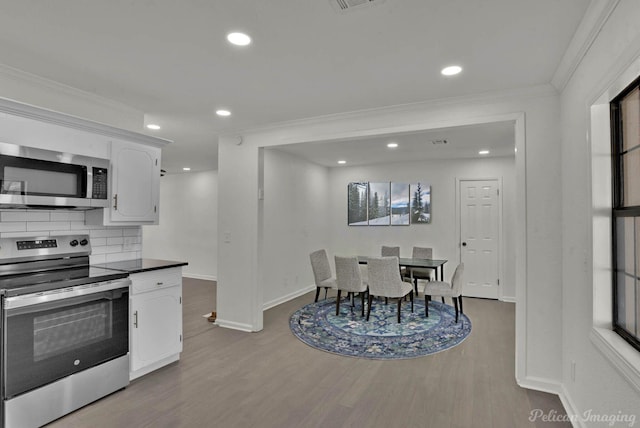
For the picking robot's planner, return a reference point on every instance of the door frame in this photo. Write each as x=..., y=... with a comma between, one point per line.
x=501, y=235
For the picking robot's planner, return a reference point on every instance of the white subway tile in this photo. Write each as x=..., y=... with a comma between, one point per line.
x=13, y=226
x=96, y=242
x=79, y=225
x=116, y=257
x=132, y=231
x=20, y=215
x=23, y=234
x=97, y=259
x=48, y=225
x=68, y=232
x=67, y=216
x=119, y=240
x=106, y=233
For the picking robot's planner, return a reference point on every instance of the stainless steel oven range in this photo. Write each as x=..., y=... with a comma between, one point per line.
x=65, y=336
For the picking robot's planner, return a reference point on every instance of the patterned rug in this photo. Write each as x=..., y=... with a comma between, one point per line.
x=381, y=338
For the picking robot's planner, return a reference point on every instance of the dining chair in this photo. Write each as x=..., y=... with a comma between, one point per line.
x=446, y=289
x=321, y=272
x=390, y=251
x=349, y=278
x=385, y=281
x=420, y=273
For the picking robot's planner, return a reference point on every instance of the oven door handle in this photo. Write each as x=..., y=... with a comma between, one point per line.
x=78, y=294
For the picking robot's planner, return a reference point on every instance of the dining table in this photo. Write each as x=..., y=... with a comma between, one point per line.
x=435, y=264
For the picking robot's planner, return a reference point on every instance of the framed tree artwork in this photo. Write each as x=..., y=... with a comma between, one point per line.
x=357, y=202
x=400, y=204
x=420, y=203
x=379, y=204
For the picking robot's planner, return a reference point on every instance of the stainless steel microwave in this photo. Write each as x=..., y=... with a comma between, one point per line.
x=31, y=177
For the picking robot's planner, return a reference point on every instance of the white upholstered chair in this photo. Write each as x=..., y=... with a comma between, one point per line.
x=385, y=281
x=349, y=279
x=420, y=273
x=446, y=289
x=321, y=272
x=388, y=251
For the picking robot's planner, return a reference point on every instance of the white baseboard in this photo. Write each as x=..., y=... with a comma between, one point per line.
x=540, y=384
x=286, y=298
x=570, y=408
x=508, y=299
x=197, y=276
x=234, y=325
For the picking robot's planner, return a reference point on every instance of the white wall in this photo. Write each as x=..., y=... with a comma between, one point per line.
x=188, y=229
x=598, y=386
x=441, y=233
x=297, y=207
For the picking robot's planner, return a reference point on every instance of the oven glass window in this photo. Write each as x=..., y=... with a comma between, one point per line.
x=48, y=341
x=39, y=182
x=60, y=332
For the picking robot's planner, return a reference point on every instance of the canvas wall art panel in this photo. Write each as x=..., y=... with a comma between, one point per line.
x=420, y=203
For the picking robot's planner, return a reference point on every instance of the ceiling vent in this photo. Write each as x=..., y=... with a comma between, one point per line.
x=349, y=5
x=437, y=142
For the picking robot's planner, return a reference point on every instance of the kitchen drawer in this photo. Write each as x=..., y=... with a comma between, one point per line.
x=156, y=279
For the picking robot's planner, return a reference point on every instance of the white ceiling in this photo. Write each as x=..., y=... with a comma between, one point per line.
x=170, y=58
x=461, y=142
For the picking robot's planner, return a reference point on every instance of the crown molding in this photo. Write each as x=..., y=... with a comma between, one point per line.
x=592, y=22
x=530, y=92
x=28, y=111
x=34, y=80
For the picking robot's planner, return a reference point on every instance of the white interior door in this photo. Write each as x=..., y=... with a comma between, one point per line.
x=479, y=237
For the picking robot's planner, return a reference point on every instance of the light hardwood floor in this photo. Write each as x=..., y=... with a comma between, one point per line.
x=228, y=378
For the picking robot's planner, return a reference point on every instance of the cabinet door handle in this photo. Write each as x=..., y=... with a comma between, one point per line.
x=115, y=202
x=135, y=319
x=159, y=283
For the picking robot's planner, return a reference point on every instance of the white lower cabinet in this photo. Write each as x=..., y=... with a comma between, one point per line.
x=155, y=320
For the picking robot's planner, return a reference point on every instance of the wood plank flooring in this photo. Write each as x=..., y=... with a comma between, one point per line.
x=228, y=378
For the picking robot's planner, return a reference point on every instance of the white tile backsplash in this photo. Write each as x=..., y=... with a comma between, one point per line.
x=109, y=244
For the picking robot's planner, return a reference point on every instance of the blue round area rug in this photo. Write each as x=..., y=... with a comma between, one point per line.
x=380, y=338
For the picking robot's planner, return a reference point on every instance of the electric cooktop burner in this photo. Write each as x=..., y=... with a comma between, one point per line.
x=34, y=265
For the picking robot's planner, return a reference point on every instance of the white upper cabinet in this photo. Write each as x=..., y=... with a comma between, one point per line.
x=134, y=186
x=135, y=183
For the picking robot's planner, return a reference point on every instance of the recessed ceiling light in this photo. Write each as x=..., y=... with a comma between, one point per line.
x=223, y=112
x=451, y=70
x=153, y=126
x=342, y=162
x=483, y=152
x=392, y=145
x=239, y=39
x=186, y=168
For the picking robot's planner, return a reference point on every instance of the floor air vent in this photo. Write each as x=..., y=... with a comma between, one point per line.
x=348, y=5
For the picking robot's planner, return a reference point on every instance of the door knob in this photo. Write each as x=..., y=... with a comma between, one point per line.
x=464, y=244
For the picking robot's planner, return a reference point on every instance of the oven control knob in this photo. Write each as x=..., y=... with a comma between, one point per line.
x=84, y=242
x=74, y=243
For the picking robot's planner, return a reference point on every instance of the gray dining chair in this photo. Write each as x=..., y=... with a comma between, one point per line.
x=349, y=278
x=385, y=281
x=321, y=272
x=388, y=251
x=446, y=289
x=420, y=273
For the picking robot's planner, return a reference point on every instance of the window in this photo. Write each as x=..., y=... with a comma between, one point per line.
x=625, y=150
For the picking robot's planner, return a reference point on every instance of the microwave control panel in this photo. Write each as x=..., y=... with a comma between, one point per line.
x=100, y=176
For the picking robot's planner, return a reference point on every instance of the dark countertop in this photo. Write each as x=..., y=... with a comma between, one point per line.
x=141, y=265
